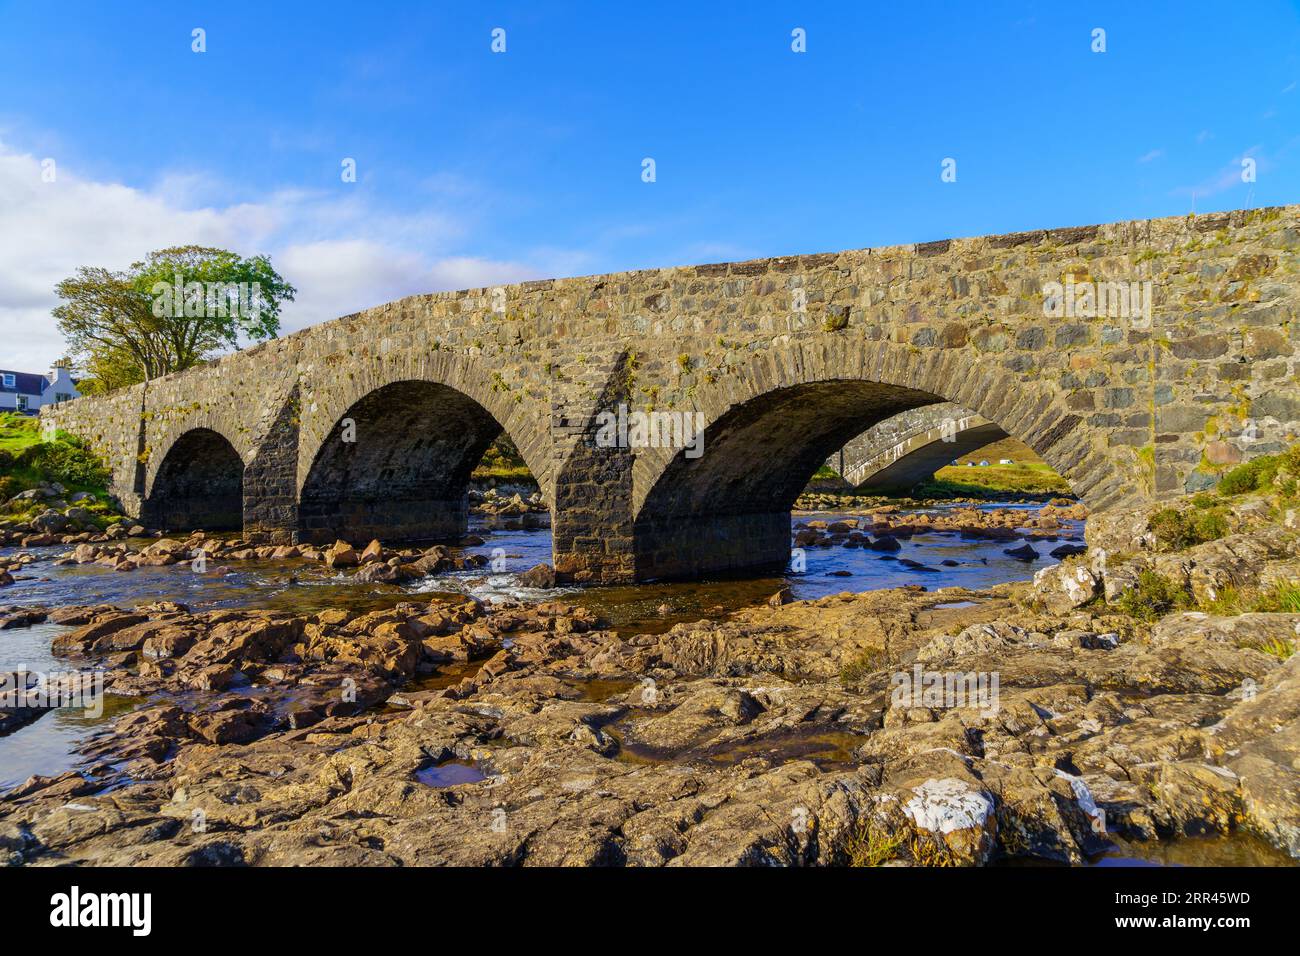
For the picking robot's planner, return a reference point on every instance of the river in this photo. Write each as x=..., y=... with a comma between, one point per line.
x=50, y=745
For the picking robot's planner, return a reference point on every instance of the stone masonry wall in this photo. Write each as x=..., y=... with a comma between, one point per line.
x=1126, y=409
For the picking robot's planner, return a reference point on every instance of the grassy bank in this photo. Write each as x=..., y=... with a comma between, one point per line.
x=1029, y=475
x=1022, y=478
x=27, y=461
x=502, y=465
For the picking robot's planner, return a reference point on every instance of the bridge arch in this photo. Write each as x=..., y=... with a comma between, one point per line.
x=908, y=448
x=776, y=419
x=197, y=483
x=394, y=453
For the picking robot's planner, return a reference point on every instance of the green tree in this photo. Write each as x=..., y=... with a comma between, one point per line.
x=168, y=313
x=106, y=369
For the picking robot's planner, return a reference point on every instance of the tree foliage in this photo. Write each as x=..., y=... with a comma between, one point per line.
x=170, y=312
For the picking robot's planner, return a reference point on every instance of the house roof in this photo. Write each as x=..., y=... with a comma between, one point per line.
x=25, y=383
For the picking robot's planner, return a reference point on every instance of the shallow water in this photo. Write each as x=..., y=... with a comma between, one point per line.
x=1239, y=849
x=449, y=774
x=49, y=744
x=309, y=586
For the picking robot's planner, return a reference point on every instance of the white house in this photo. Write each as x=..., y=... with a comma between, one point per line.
x=26, y=392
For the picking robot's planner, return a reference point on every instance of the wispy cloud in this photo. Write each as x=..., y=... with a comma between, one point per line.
x=1149, y=156
x=343, y=252
x=1226, y=178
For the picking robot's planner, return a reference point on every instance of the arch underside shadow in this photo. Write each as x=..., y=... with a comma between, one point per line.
x=405, y=476
x=199, y=485
x=920, y=463
x=729, y=509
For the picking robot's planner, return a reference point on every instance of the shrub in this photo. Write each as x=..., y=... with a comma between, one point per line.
x=1254, y=475
x=66, y=463
x=1176, y=529
x=1291, y=459
x=1153, y=597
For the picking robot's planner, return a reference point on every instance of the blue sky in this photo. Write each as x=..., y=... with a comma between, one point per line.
x=475, y=167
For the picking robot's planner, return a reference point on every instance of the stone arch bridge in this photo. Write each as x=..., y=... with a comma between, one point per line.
x=370, y=424
x=910, y=447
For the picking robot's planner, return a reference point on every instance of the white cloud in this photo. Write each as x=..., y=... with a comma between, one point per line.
x=1228, y=177
x=1153, y=154
x=338, y=250
x=340, y=276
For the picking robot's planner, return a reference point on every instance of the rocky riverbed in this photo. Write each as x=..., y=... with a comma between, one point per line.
x=1035, y=721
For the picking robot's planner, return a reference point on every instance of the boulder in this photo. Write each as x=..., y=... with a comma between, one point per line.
x=1068, y=551
x=1023, y=553
x=375, y=572
x=341, y=555
x=1063, y=587
x=538, y=576
x=957, y=814
x=84, y=553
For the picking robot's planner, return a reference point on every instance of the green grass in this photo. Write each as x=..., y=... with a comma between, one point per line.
x=1283, y=596
x=1228, y=602
x=1273, y=646
x=18, y=432
x=26, y=461
x=870, y=845
x=503, y=463
x=958, y=481
x=503, y=474
x=1154, y=597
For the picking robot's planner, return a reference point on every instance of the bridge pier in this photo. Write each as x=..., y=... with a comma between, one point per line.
x=389, y=520
x=592, y=537
x=270, y=503
x=680, y=547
